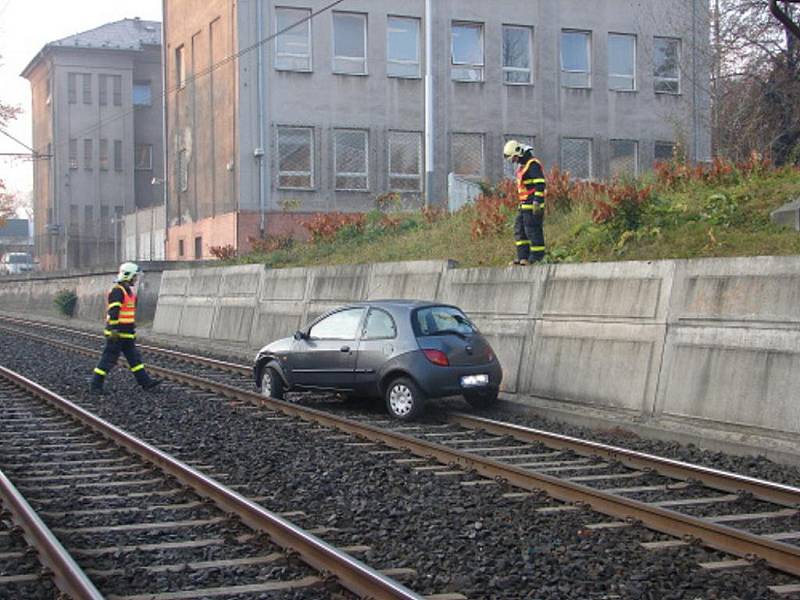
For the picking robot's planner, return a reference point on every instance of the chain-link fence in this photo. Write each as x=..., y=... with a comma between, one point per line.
x=576, y=157
x=624, y=160
x=467, y=154
x=295, y=157
x=350, y=149
x=405, y=161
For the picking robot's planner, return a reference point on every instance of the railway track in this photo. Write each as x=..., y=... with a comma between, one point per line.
x=141, y=524
x=750, y=519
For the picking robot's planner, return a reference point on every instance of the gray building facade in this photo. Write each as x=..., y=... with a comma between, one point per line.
x=331, y=113
x=97, y=114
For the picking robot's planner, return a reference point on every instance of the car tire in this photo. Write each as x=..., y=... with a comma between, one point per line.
x=404, y=400
x=482, y=400
x=272, y=384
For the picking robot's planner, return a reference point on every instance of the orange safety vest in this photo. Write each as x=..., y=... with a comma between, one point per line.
x=522, y=190
x=127, y=312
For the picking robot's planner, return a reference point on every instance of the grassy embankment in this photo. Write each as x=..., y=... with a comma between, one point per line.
x=676, y=212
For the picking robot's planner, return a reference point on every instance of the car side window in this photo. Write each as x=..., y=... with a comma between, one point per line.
x=380, y=326
x=342, y=325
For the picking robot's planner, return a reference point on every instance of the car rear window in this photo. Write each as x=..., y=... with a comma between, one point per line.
x=19, y=259
x=433, y=320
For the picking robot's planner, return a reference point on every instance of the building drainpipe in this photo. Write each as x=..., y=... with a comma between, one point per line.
x=164, y=103
x=429, y=122
x=259, y=152
x=695, y=135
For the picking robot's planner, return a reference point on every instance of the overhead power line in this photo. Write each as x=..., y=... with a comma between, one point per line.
x=205, y=72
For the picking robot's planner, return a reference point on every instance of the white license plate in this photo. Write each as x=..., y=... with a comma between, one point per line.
x=474, y=380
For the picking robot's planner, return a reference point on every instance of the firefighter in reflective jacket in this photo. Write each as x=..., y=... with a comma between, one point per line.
x=528, y=227
x=120, y=331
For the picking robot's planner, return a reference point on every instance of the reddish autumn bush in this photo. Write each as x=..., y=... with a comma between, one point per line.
x=621, y=207
x=324, y=227
x=226, y=252
x=270, y=244
x=492, y=209
x=431, y=214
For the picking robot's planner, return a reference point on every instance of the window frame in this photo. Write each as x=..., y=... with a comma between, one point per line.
x=364, y=337
x=73, y=154
x=482, y=137
x=116, y=89
x=353, y=175
x=88, y=154
x=417, y=44
x=140, y=84
x=358, y=329
x=481, y=67
x=588, y=35
x=118, y=156
x=420, y=163
x=657, y=143
x=312, y=159
x=364, y=17
x=86, y=86
x=507, y=69
x=102, y=89
x=310, y=42
x=102, y=154
x=636, y=154
x=136, y=163
x=590, y=142
x=72, y=88
x=677, y=79
x=634, y=78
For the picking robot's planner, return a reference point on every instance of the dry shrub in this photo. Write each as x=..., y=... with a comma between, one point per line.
x=226, y=252
x=324, y=227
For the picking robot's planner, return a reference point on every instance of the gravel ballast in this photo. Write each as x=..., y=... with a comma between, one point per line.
x=471, y=540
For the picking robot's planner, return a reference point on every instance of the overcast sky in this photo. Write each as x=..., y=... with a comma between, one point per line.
x=25, y=27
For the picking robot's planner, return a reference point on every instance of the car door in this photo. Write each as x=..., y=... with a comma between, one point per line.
x=377, y=345
x=326, y=357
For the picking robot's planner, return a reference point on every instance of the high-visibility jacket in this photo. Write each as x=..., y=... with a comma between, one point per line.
x=531, y=185
x=121, y=311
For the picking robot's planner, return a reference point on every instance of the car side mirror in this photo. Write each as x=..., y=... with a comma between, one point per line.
x=299, y=335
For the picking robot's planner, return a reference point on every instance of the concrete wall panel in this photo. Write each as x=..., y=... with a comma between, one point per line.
x=341, y=283
x=275, y=320
x=197, y=318
x=418, y=280
x=509, y=339
x=512, y=292
x=284, y=284
x=168, y=315
x=205, y=282
x=241, y=281
x=175, y=283
x=233, y=320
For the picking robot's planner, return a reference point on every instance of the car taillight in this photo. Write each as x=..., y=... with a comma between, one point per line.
x=437, y=357
x=489, y=354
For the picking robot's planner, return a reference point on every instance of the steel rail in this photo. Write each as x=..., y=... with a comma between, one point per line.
x=768, y=491
x=67, y=575
x=350, y=572
x=779, y=555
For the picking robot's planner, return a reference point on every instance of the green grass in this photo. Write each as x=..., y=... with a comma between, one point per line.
x=693, y=221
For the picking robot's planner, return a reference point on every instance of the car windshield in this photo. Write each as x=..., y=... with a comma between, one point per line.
x=437, y=320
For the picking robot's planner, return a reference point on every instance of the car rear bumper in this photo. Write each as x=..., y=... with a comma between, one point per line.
x=437, y=382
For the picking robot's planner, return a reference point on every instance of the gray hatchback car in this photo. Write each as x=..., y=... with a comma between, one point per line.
x=404, y=351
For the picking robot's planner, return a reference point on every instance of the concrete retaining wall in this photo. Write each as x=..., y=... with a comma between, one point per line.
x=706, y=343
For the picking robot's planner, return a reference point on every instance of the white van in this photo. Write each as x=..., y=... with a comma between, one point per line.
x=13, y=263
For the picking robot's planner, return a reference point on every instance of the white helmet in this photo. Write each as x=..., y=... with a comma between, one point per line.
x=127, y=271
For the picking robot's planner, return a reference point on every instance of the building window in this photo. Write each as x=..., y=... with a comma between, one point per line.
x=576, y=59
x=664, y=151
x=350, y=43
x=576, y=157
x=144, y=157
x=73, y=153
x=88, y=219
x=666, y=68
x=293, y=47
x=295, y=158
x=180, y=66
x=517, y=59
x=466, y=62
x=73, y=215
x=102, y=90
x=405, y=161
x=621, y=62
x=72, y=88
x=351, y=159
x=181, y=250
x=198, y=247
x=118, y=155
x=87, y=88
x=117, y=81
x=183, y=170
x=88, y=151
x=510, y=168
x=402, y=47
x=142, y=93
x=466, y=151
x=104, y=222
x=624, y=158
x=103, y=158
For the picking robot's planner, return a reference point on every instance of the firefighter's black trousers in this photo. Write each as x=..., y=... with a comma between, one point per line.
x=109, y=360
x=529, y=234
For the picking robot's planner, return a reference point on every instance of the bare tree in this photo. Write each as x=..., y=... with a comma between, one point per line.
x=7, y=200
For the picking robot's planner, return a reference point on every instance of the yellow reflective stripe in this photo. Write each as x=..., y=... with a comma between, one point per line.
x=110, y=322
x=538, y=193
x=100, y=372
x=526, y=206
x=537, y=248
x=113, y=304
x=523, y=243
x=529, y=181
x=538, y=180
x=127, y=336
x=107, y=332
x=138, y=367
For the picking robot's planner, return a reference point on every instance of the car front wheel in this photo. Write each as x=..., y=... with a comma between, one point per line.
x=271, y=384
x=404, y=399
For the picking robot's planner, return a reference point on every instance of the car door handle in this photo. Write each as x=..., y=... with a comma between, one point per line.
x=344, y=349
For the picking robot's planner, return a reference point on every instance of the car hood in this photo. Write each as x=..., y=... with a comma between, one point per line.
x=278, y=346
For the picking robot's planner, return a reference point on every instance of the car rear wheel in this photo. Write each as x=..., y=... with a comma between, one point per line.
x=271, y=384
x=481, y=400
x=404, y=400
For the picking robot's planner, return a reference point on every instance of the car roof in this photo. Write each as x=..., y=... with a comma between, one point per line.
x=396, y=303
